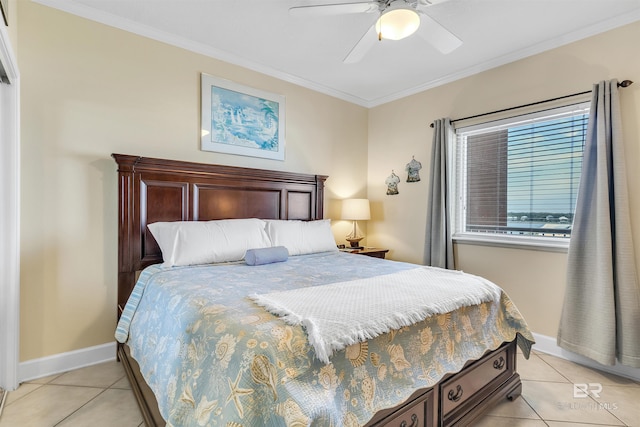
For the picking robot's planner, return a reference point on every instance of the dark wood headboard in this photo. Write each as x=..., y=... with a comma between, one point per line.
x=151, y=190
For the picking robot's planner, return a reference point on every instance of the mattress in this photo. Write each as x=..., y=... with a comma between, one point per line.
x=214, y=357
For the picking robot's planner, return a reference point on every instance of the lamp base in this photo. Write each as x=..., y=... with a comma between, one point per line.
x=354, y=242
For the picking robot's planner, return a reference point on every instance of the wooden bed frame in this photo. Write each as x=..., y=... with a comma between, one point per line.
x=153, y=190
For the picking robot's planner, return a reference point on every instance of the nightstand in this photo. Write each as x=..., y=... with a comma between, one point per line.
x=372, y=252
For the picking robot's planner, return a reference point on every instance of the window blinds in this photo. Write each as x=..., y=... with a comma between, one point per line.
x=520, y=176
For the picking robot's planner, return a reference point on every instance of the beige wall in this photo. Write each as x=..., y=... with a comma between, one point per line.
x=398, y=130
x=89, y=90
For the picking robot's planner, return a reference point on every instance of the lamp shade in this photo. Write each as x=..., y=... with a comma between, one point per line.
x=397, y=23
x=356, y=209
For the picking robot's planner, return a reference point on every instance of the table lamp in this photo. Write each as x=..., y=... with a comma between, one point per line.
x=355, y=210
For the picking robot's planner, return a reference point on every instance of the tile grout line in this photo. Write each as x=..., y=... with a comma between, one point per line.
x=596, y=402
x=104, y=389
x=622, y=423
x=22, y=397
x=612, y=414
x=81, y=406
x=117, y=381
x=522, y=396
x=554, y=368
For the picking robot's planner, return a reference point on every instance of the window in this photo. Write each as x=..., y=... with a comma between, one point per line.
x=517, y=179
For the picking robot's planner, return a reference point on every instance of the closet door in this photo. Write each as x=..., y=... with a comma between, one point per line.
x=9, y=214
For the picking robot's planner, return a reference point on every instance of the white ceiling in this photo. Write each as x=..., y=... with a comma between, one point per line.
x=262, y=36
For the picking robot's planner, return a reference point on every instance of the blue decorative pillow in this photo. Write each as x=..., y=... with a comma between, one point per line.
x=266, y=255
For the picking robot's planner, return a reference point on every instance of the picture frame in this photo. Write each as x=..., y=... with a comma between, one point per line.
x=241, y=120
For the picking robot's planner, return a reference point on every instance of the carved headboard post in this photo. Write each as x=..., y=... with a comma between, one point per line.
x=126, y=270
x=151, y=190
x=320, y=179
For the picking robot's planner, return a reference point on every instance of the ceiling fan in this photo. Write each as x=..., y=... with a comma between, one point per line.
x=396, y=19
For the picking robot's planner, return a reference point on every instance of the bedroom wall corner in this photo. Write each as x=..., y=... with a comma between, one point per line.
x=91, y=90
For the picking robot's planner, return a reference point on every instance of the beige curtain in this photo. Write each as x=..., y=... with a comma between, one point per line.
x=601, y=312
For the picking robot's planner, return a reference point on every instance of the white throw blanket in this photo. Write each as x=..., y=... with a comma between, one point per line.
x=341, y=314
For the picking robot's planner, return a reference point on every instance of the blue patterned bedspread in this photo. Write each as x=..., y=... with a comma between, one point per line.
x=214, y=358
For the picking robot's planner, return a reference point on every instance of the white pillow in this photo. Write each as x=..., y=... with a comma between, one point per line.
x=302, y=237
x=206, y=242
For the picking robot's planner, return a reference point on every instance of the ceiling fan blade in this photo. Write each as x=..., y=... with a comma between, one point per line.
x=427, y=3
x=436, y=35
x=334, y=9
x=365, y=43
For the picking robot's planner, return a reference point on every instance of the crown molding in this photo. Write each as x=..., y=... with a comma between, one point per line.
x=83, y=11
x=195, y=47
x=547, y=45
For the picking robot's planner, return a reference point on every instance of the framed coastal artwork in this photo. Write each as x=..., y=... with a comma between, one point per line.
x=237, y=119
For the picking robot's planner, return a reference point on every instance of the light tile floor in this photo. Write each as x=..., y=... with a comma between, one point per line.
x=100, y=396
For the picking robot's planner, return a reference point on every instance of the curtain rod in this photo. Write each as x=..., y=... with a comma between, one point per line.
x=624, y=83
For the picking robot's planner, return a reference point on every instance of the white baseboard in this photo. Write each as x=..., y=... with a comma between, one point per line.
x=63, y=362
x=548, y=345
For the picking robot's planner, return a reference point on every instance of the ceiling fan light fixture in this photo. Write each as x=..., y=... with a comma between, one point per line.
x=397, y=23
